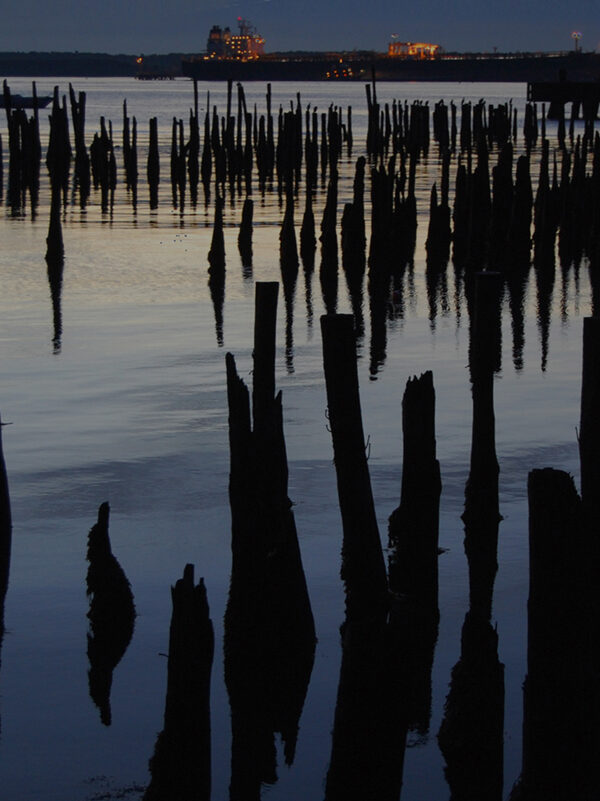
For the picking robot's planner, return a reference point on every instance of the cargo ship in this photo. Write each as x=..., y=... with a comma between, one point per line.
x=241, y=57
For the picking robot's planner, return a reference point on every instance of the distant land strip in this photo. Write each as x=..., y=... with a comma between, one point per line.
x=88, y=65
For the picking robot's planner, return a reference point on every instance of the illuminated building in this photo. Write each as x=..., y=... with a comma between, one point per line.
x=418, y=51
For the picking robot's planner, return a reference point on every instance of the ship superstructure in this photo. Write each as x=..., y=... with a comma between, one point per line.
x=223, y=45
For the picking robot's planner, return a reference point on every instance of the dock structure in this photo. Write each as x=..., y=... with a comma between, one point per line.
x=584, y=95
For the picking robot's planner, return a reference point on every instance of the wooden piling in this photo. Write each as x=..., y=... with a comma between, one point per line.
x=153, y=164
x=363, y=568
x=245, y=236
x=589, y=429
x=269, y=628
x=481, y=515
x=560, y=694
x=414, y=525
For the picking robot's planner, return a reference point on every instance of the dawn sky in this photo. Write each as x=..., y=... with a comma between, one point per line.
x=160, y=26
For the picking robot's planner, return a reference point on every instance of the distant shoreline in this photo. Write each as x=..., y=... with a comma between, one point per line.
x=87, y=65
x=305, y=65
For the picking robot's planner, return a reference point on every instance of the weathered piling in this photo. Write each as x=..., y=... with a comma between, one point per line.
x=178, y=165
x=374, y=142
x=369, y=731
x=380, y=264
x=103, y=165
x=502, y=206
x=545, y=213
x=153, y=164
x=130, y=155
x=363, y=568
x=479, y=210
x=560, y=695
x=589, y=430
x=437, y=244
x=530, y=126
x=441, y=132
x=465, y=126
x=15, y=156
x=481, y=515
x=311, y=149
x=413, y=534
x=353, y=243
x=519, y=230
x=180, y=766
x=269, y=628
x=111, y=613
x=460, y=215
x=126, y=147
x=245, y=237
x=328, y=272
x=24, y=153
x=82, y=159
x=414, y=525
x=206, y=159
x=58, y=154
x=193, y=150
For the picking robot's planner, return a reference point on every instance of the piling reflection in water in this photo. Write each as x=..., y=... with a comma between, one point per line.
x=111, y=614
x=5, y=539
x=288, y=259
x=216, y=270
x=471, y=734
x=5, y=534
x=245, y=237
x=55, y=264
x=180, y=766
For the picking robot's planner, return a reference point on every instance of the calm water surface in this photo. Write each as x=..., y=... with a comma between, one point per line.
x=132, y=409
